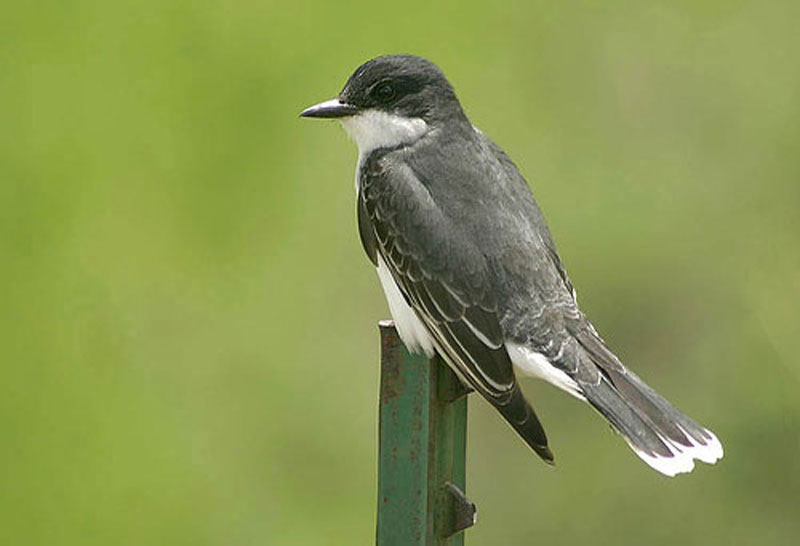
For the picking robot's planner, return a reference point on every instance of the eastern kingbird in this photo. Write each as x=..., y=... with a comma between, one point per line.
x=469, y=267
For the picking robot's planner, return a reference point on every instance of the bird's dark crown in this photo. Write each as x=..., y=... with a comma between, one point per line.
x=405, y=85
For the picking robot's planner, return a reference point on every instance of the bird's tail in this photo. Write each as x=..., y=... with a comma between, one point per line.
x=658, y=433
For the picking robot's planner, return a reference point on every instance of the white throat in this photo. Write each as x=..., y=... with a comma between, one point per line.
x=373, y=129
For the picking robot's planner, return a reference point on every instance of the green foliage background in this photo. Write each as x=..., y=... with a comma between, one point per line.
x=188, y=338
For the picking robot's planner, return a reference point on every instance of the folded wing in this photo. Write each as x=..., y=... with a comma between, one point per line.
x=445, y=280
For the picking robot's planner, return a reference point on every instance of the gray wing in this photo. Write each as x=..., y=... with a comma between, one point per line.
x=447, y=280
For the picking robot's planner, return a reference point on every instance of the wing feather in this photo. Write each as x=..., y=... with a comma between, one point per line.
x=440, y=274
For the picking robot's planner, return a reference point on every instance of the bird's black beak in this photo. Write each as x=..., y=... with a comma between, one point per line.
x=333, y=108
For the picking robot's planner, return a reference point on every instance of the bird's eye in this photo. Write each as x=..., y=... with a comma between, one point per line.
x=384, y=92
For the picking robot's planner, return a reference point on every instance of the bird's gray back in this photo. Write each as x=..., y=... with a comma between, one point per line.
x=480, y=191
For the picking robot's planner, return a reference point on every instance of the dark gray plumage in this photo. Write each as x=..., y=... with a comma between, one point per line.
x=452, y=219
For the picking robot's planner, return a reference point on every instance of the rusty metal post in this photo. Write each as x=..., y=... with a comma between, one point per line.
x=422, y=449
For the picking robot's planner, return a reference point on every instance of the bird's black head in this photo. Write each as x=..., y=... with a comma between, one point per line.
x=407, y=86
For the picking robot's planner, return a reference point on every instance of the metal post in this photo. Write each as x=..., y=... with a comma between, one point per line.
x=422, y=448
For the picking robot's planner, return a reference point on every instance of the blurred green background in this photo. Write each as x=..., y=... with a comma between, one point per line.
x=188, y=336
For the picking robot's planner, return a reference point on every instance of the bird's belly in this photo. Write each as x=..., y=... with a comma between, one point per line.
x=410, y=328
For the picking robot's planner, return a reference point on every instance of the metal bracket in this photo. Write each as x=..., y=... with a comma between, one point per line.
x=458, y=512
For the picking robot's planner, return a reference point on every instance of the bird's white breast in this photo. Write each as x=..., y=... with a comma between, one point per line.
x=371, y=130
x=412, y=331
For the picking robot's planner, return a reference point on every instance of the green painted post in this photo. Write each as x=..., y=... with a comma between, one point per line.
x=422, y=449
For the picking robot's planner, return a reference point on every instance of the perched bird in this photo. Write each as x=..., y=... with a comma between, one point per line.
x=470, y=270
